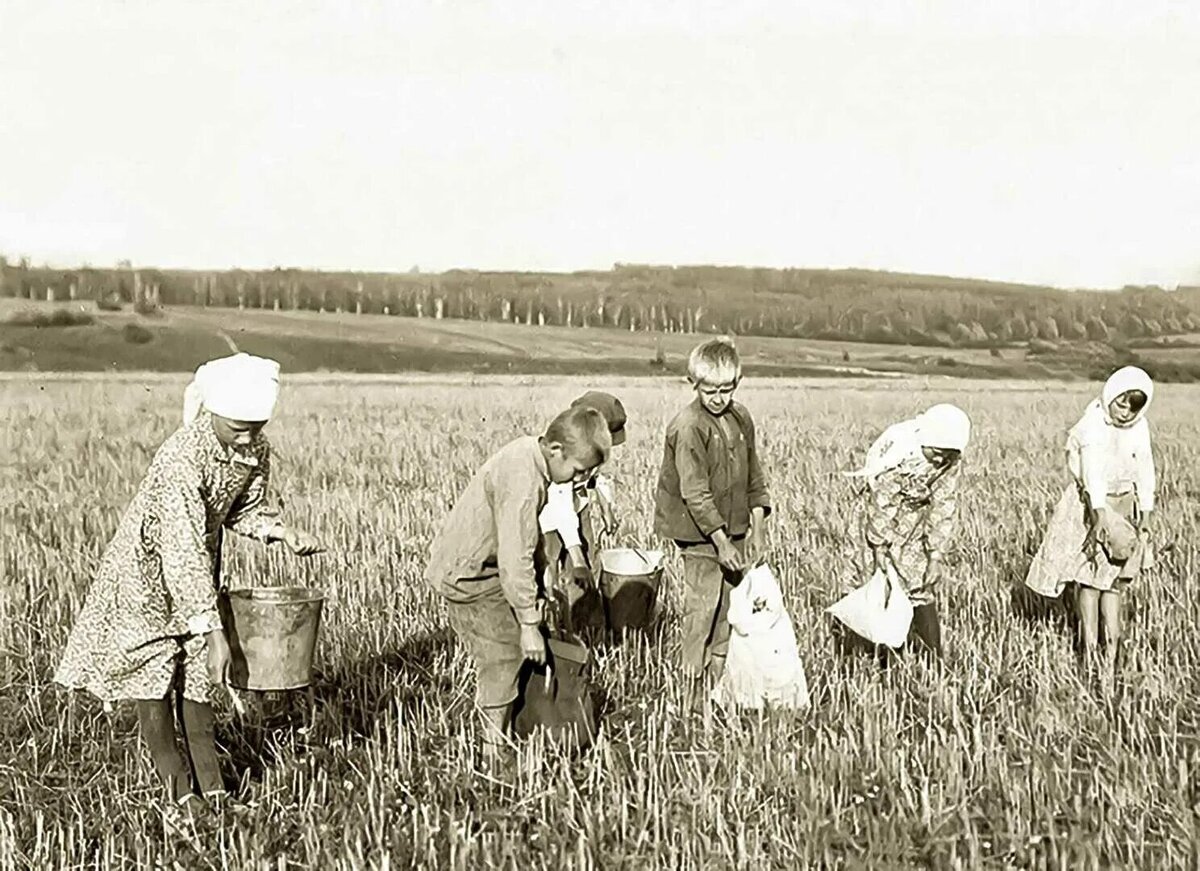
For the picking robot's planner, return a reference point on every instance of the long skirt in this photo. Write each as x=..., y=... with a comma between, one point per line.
x=1061, y=558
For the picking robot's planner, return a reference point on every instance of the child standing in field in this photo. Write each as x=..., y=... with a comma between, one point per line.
x=1097, y=535
x=149, y=629
x=712, y=502
x=486, y=560
x=909, y=506
x=567, y=520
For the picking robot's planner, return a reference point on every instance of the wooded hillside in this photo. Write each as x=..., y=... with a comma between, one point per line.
x=853, y=305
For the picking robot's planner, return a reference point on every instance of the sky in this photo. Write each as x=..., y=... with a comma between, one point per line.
x=1046, y=142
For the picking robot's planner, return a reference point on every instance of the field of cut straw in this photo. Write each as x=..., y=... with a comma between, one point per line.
x=1000, y=756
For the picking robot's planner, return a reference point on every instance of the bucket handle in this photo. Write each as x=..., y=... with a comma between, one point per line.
x=649, y=563
x=235, y=697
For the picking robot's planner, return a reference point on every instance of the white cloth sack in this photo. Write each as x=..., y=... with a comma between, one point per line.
x=763, y=665
x=870, y=612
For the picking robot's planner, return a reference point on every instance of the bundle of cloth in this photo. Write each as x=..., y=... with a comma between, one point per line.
x=763, y=668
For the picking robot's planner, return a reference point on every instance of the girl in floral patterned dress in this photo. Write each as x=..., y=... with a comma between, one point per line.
x=149, y=629
x=910, y=506
x=1110, y=496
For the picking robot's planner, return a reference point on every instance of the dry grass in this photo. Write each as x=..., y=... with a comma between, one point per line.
x=999, y=757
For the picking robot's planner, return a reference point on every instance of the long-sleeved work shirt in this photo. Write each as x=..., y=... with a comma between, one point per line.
x=491, y=537
x=710, y=478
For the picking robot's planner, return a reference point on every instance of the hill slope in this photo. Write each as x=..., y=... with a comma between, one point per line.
x=849, y=304
x=182, y=337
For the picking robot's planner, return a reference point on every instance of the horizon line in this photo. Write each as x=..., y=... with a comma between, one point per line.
x=416, y=270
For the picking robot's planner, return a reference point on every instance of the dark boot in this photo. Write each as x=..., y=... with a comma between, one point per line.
x=156, y=721
x=926, y=628
x=198, y=723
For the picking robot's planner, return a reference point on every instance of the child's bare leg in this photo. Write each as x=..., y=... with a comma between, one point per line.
x=1110, y=612
x=198, y=729
x=1087, y=600
x=156, y=719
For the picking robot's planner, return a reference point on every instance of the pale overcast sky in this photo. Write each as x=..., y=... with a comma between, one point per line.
x=1042, y=141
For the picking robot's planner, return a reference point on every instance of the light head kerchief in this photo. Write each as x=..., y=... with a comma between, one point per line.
x=242, y=387
x=1122, y=381
x=944, y=426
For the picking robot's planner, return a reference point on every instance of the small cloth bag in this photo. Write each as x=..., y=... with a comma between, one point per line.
x=878, y=611
x=557, y=696
x=1118, y=538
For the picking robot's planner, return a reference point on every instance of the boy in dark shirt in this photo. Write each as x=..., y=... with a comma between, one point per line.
x=712, y=502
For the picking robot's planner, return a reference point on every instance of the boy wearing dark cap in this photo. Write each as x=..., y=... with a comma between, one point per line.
x=566, y=521
x=614, y=412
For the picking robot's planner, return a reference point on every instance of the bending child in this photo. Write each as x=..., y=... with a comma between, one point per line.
x=486, y=559
x=910, y=506
x=149, y=629
x=567, y=521
x=1091, y=538
x=712, y=502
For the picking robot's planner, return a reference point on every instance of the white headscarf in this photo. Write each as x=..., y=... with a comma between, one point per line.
x=241, y=387
x=1123, y=381
x=1122, y=452
x=941, y=426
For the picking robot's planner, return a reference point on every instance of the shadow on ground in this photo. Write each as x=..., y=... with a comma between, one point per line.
x=347, y=701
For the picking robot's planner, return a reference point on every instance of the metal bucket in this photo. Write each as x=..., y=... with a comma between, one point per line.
x=272, y=634
x=629, y=582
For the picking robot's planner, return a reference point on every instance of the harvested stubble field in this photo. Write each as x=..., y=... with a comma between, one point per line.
x=998, y=757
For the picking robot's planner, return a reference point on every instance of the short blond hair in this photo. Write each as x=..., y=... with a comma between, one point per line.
x=583, y=433
x=715, y=362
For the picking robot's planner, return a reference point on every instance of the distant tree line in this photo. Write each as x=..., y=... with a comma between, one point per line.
x=853, y=305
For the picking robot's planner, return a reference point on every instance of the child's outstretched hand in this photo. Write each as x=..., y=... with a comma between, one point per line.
x=218, y=656
x=300, y=542
x=608, y=517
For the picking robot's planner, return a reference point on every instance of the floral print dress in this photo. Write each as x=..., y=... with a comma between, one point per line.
x=154, y=595
x=913, y=509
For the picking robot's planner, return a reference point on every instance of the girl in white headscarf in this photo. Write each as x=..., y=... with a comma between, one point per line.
x=149, y=629
x=1096, y=537
x=909, y=506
